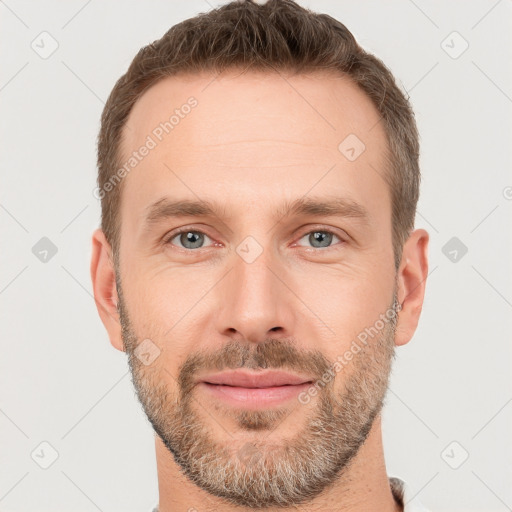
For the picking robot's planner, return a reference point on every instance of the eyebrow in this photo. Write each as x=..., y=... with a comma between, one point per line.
x=330, y=206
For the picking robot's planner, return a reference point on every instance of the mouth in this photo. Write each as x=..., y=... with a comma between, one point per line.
x=254, y=389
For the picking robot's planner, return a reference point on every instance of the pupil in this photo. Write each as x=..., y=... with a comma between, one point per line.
x=321, y=236
x=194, y=239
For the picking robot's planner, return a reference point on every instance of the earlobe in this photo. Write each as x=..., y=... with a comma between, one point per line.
x=104, y=287
x=412, y=276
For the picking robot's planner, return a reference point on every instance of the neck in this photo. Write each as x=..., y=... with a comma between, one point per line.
x=363, y=486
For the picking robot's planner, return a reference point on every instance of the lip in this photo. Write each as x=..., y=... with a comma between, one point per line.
x=260, y=379
x=254, y=390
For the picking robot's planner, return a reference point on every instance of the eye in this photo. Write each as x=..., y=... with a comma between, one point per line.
x=191, y=239
x=320, y=238
x=188, y=238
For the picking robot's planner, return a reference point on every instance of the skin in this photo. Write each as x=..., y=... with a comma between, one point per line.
x=255, y=141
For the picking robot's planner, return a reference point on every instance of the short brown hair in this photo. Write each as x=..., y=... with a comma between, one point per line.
x=277, y=35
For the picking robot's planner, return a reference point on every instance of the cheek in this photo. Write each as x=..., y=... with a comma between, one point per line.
x=346, y=301
x=170, y=309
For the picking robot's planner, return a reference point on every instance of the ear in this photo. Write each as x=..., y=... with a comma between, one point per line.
x=412, y=275
x=104, y=286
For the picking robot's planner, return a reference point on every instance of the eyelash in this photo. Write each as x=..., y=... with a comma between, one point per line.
x=167, y=239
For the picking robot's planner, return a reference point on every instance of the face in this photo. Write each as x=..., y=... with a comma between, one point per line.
x=286, y=265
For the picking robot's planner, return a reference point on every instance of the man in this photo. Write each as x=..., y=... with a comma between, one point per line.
x=257, y=261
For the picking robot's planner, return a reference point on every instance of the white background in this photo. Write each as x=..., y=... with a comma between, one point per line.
x=60, y=379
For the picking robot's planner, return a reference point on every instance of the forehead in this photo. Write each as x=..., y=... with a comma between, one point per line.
x=253, y=134
x=324, y=105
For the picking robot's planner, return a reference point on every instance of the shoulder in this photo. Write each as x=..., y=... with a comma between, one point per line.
x=403, y=494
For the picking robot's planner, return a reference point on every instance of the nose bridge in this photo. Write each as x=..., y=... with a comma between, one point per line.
x=254, y=300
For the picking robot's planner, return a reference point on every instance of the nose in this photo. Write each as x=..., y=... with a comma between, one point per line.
x=254, y=301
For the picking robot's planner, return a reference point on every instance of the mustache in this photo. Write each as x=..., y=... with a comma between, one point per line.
x=270, y=354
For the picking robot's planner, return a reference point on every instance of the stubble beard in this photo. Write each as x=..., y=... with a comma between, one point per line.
x=266, y=471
